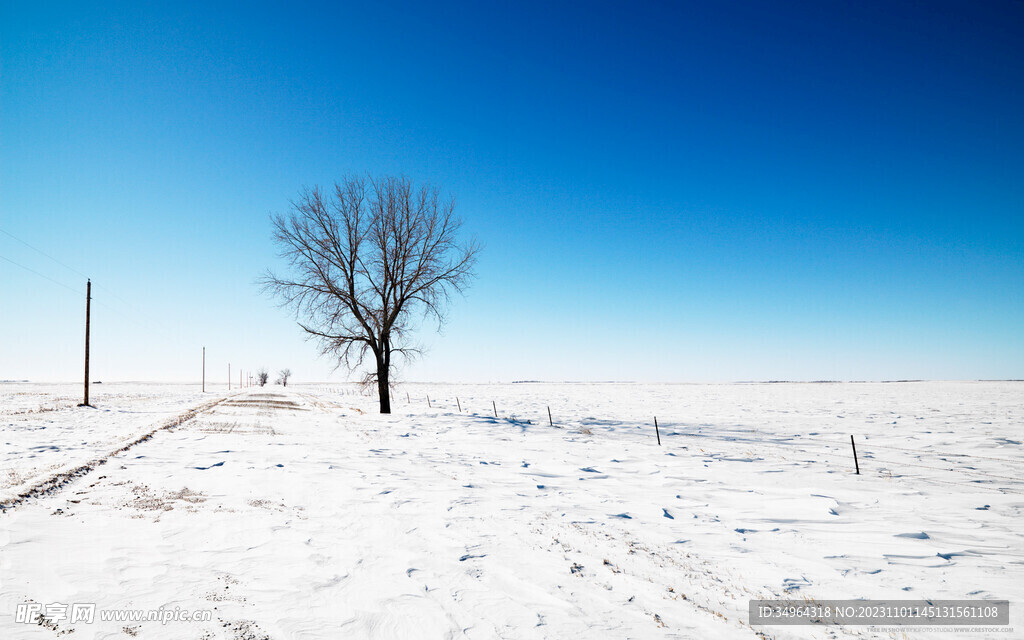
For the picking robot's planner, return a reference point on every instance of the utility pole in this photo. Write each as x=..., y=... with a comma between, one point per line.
x=204, y=369
x=88, y=304
x=229, y=376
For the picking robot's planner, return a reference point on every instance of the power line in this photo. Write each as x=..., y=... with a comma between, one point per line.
x=70, y=268
x=131, y=309
x=41, y=252
x=117, y=314
x=59, y=284
x=148, y=323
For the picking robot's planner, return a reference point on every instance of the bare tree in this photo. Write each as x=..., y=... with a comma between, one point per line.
x=262, y=376
x=283, y=376
x=366, y=262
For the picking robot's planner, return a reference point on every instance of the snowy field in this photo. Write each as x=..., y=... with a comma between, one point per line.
x=301, y=513
x=45, y=433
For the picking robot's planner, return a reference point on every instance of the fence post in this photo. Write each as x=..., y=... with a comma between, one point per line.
x=495, y=408
x=854, y=445
x=656, y=432
x=551, y=422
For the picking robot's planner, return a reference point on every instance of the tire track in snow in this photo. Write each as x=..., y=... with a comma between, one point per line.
x=54, y=483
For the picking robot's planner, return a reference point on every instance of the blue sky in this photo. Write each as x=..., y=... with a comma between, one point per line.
x=664, y=192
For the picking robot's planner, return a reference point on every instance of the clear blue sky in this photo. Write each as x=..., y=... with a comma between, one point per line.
x=665, y=191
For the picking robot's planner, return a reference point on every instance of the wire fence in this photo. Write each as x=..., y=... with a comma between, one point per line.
x=955, y=472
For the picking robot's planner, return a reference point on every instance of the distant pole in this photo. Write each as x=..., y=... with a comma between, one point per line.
x=495, y=408
x=204, y=369
x=408, y=400
x=428, y=402
x=229, y=376
x=239, y=378
x=88, y=304
x=854, y=445
x=656, y=432
x=458, y=403
x=551, y=422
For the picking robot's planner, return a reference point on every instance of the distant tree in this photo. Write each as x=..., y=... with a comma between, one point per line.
x=262, y=376
x=367, y=262
x=284, y=374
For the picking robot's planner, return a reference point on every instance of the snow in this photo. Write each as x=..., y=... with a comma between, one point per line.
x=44, y=433
x=301, y=512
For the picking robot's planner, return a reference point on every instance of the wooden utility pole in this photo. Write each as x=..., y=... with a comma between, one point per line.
x=204, y=369
x=88, y=304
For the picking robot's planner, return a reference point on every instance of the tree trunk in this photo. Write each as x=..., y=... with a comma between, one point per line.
x=383, y=388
